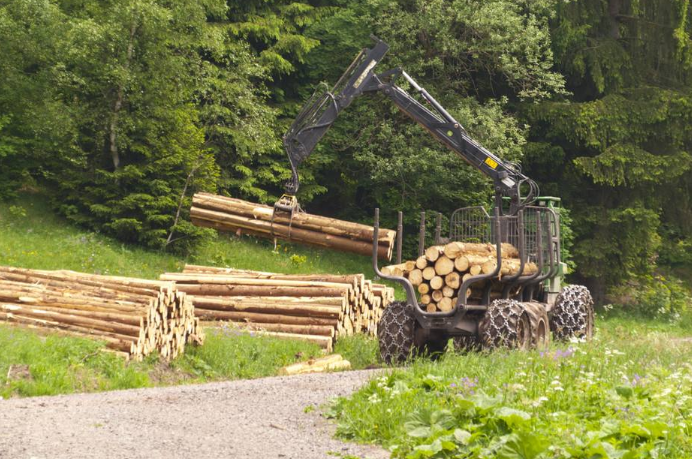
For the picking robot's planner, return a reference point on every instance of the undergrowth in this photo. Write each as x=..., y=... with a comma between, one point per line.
x=627, y=394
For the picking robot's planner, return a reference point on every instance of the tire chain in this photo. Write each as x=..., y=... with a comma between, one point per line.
x=537, y=314
x=498, y=328
x=396, y=333
x=572, y=315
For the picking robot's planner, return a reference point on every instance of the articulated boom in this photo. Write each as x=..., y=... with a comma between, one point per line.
x=322, y=110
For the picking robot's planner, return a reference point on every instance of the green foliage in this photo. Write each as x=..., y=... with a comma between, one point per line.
x=654, y=296
x=361, y=350
x=618, y=152
x=58, y=365
x=608, y=398
x=229, y=353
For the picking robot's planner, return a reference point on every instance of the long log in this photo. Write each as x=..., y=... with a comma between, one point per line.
x=113, y=340
x=256, y=290
x=259, y=318
x=357, y=280
x=320, y=330
x=232, y=222
x=300, y=219
x=306, y=307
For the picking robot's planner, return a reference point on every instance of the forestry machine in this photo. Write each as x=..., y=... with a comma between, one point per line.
x=515, y=310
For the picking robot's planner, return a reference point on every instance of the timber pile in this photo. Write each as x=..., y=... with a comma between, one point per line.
x=235, y=215
x=135, y=317
x=440, y=272
x=314, y=307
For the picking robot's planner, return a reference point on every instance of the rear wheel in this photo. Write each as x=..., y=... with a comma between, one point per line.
x=540, y=325
x=506, y=324
x=396, y=333
x=573, y=315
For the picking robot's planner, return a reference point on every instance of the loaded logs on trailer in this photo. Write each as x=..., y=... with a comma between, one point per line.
x=243, y=217
x=134, y=317
x=313, y=307
x=440, y=272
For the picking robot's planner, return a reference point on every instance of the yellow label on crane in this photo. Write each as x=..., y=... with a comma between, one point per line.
x=491, y=162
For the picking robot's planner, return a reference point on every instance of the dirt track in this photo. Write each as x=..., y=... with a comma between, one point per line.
x=261, y=418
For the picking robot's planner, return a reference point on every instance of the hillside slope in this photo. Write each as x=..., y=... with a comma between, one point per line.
x=31, y=236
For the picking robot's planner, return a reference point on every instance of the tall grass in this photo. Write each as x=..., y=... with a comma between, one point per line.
x=628, y=394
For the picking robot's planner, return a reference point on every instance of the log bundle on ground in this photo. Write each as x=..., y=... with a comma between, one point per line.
x=236, y=215
x=136, y=317
x=333, y=362
x=440, y=272
x=314, y=307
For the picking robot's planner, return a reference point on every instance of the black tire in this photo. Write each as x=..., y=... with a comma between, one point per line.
x=540, y=325
x=506, y=324
x=396, y=333
x=573, y=315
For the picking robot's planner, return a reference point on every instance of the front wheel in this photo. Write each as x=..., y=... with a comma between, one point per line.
x=506, y=324
x=573, y=315
x=396, y=333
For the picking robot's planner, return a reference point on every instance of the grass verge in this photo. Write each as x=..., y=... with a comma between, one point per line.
x=627, y=394
x=32, y=364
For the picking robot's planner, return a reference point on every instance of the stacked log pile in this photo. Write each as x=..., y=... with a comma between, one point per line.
x=135, y=317
x=235, y=215
x=440, y=272
x=314, y=307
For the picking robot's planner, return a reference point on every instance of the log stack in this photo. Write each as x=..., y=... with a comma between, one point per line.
x=238, y=216
x=135, y=317
x=314, y=307
x=440, y=272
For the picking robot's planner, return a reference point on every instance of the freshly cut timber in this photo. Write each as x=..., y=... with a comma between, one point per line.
x=439, y=273
x=138, y=317
x=230, y=214
x=331, y=362
x=317, y=307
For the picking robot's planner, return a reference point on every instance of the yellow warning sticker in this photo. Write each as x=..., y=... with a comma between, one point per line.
x=491, y=162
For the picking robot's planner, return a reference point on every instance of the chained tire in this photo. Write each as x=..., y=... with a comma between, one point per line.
x=396, y=333
x=573, y=315
x=506, y=324
x=540, y=325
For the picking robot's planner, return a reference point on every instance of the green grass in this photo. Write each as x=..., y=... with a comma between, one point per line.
x=31, y=236
x=51, y=364
x=627, y=394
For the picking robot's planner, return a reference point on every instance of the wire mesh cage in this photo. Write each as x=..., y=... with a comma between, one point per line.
x=470, y=224
x=534, y=231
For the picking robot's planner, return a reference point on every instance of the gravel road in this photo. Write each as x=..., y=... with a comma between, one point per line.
x=260, y=418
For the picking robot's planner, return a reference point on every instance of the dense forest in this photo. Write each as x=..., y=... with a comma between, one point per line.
x=120, y=110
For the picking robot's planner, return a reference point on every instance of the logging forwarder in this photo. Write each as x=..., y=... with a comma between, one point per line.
x=518, y=310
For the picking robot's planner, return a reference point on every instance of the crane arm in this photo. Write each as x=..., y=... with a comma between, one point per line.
x=321, y=112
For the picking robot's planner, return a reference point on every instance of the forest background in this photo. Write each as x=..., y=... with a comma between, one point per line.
x=119, y=110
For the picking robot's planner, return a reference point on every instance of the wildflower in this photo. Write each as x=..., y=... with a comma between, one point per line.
x=637, y=380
